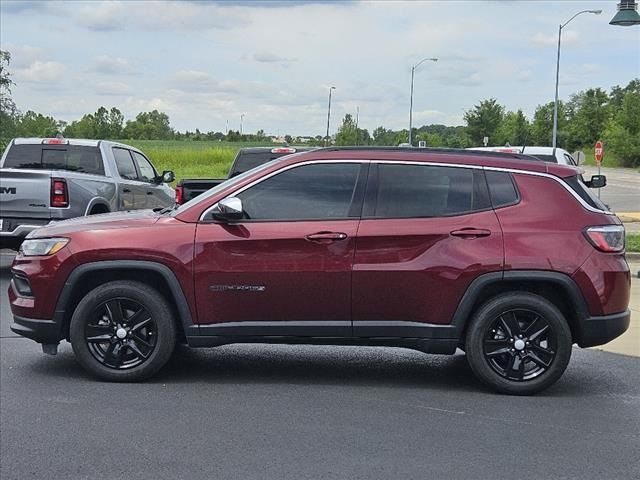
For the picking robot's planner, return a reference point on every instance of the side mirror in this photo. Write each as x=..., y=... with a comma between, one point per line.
x=168, y=176
x=597, y=181
x=228, y=209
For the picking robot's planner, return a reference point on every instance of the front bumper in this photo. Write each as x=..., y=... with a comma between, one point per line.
x=42, y=331
x=602, y=329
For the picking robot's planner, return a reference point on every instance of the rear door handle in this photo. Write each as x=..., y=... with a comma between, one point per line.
x=149, y=193
x=326, y=237
x=126, y=190
x=471, y=233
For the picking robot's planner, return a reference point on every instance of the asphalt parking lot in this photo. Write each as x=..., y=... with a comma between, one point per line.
x=253, y=411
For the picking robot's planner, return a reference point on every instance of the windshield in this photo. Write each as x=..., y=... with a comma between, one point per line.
x=218, y=188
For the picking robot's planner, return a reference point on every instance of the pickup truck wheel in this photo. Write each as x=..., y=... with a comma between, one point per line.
x=518, y=343
x=122, y=331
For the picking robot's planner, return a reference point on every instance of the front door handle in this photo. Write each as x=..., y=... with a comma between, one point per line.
x=126, y=190
x=149, y=193
x=471, y=233
x=326, y=237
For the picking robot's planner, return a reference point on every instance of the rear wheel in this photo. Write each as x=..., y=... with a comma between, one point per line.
x=518, y=343
x=123, y=331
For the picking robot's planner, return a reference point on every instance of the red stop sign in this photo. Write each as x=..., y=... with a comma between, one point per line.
x=598, y=152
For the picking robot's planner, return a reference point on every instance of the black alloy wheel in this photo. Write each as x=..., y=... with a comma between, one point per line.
x=122, y=333
x=520, y=345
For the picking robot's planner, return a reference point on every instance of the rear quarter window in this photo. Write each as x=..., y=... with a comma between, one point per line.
x=74, y=158
x=577, y=185
x=502, y=189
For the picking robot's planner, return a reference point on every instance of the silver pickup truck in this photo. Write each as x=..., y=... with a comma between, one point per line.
x=49, y=179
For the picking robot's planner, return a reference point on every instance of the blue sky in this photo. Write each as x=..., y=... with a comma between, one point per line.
x=206, y=63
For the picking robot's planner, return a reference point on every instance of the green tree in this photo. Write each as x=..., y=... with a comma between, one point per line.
x=33, y=124
x=152, y=125
x=542, y=125
x=622, y=134
x=587, y=115
x=8, y=111
x=484, y=120
x=514, y=129
x=347, y=132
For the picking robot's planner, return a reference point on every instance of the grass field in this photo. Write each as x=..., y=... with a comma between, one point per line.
x=211, y=159
x=633, y=242
x=190, y=159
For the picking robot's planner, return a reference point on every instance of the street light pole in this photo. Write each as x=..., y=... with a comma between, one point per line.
x=555, y=104
x=241, y=120
x=413, y=70
x=328, y=117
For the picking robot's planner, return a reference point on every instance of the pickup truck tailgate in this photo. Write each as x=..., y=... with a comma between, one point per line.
x=25, y=193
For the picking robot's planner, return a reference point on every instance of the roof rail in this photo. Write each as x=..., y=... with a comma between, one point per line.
x=436, y=150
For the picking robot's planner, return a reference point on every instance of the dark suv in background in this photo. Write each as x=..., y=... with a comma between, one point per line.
x=511, y=260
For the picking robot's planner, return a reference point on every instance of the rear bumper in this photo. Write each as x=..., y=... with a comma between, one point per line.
x=14, y=230
x=42, y=331
x=602, y=329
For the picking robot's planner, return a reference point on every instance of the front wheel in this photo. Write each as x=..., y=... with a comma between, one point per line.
x=518, y=343
x=122, y=331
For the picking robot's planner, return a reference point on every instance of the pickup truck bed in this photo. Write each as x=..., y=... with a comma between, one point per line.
x=246, y=159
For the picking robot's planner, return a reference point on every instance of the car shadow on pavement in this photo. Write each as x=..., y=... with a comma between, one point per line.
x=332, y=366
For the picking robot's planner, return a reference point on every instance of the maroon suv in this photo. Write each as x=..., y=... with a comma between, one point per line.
x=509, y=259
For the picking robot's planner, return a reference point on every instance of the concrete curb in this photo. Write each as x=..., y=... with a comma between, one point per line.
x=635, y=256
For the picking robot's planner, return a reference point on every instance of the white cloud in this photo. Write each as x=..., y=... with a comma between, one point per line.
x=156, y=15
x=105, y=64
x=22, y=56
x=112, y=88
x=268, y=57
x=569, y=38
x=40, y=72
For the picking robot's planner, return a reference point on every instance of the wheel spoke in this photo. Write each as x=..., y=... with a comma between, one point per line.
x=541, y=356
x=141, y=323
x=509, y=367
x=98, y=333
x=139, y=339
x=113, y=355
x=99, y=338
x=496, y=347
x=134, y=347
x=520, y=368
x=536, y=329
x=114, y=310
x=510, y=324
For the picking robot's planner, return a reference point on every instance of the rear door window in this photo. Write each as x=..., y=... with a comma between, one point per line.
x=75, y=158
x=124, y=163
x=414, y=191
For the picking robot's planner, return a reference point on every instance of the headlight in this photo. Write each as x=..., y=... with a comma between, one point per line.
x=42, y=246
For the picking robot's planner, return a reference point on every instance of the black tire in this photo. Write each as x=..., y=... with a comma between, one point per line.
x=518, y=343
x=97, y=327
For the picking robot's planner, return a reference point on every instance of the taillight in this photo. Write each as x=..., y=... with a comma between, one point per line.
x=608, y=238
x=179, y=194
x=59, y=193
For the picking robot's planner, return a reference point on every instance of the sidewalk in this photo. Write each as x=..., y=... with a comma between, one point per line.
x=629, y=342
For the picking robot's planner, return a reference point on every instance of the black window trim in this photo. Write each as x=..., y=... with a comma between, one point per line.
x=355, y=207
